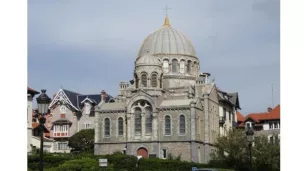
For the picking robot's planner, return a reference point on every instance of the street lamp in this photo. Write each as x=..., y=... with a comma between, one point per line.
x=43, y=102
x=250, y=137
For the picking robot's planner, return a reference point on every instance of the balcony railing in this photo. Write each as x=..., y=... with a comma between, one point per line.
x=61, y=134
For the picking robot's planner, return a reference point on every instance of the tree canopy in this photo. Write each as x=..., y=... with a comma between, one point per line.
x=82, y=141
x=232, y=151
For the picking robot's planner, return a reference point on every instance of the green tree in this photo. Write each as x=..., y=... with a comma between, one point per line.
x=82, y=141
x=232, y=151
x=266, y=154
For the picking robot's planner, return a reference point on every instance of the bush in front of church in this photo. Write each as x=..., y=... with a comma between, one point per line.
x=82, y=141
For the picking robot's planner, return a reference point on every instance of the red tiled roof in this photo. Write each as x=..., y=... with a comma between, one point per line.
x=240, y=117
x=273, y=114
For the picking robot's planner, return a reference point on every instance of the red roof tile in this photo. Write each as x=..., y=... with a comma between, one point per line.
x=240, y=117
x=273, y=114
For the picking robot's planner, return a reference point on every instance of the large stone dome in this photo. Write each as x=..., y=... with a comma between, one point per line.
x=167, y=40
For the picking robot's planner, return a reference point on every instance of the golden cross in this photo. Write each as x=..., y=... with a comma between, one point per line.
x=166, y=9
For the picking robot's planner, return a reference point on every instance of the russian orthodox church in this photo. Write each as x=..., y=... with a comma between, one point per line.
x=169, y=108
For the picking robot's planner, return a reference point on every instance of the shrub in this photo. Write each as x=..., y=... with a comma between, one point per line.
x=48, y=161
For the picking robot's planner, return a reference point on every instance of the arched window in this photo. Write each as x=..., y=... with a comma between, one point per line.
x=137, y=121
x=182, y=66
x=120, y=126
x=182, y=126
x=154, y=80
x=148, y=120
x=189, y=67
x=174, y=66
x=107, y=127
x=167, y=125
x=166, y=66
x=144, y=79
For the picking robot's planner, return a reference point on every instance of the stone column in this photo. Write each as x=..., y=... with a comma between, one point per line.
x=97, y=132
x=207, y=130
x=193, y=132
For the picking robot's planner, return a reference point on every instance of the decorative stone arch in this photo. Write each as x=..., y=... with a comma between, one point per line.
x=137, y=98
x=142, y=151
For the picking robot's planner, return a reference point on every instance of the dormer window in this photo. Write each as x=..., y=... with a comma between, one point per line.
x=87, y=108
x=248, y=125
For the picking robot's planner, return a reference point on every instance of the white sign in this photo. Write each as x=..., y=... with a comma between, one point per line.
x=103, y=162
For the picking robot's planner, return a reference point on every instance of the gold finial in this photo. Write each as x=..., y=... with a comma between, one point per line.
x=166, y=23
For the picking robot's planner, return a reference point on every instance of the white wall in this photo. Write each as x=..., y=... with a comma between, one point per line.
x=266, y=126
x=29, y=122
x=47, y=146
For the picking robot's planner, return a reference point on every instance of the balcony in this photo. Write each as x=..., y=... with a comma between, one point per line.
x=222, y=120
x=61, y=134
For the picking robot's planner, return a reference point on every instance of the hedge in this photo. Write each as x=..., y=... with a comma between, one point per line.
x=48, y=161
x=170, y=165
x=117, y=162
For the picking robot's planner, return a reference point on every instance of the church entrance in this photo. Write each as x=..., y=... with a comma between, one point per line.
x=142, y=152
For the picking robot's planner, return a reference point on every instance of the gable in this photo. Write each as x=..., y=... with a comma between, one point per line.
x=214, y=94
x=63, y=98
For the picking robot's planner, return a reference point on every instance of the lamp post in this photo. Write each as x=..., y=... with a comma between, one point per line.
x=250, y=137
x=43, y=102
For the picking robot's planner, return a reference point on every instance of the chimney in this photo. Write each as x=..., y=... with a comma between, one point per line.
x=269, y=109
x=103, y=96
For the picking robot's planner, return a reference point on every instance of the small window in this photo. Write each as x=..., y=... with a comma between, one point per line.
x=182, y=67
x=189, y=67
x=164, y=153
x=120, y=126
x=87, y=126
x=144, y=80
x=167, y=125
x=149, y=118
x=87, y=108
x=270, y=125
x=166, y=66
x=137, y=121
x=174, y=65
x=182, y=127
x=248, y=125
x=276, y=125
x=154, y=80
x=62, y=116
x=107, y=127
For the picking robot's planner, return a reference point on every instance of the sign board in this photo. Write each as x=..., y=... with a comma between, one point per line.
x=103, y=162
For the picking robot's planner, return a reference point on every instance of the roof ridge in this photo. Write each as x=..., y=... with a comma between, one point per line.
x=72, y=91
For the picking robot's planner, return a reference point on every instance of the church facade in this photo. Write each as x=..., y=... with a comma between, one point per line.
x=169, y=108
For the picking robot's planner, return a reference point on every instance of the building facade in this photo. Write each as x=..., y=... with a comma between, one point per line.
x=265, y=123
x=168, y=108
x=71, y=112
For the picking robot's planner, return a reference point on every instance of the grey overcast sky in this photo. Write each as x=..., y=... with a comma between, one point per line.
x=89, y=45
